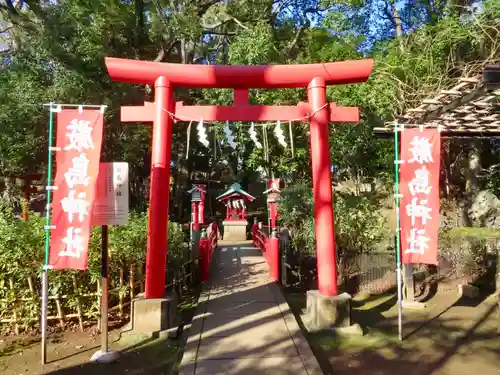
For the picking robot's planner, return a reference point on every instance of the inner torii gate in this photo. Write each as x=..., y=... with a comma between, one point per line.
x=166, y=77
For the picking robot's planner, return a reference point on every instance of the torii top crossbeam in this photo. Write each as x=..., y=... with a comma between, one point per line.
x=237, y=76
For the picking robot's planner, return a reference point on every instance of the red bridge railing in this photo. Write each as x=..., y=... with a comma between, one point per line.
x=269, y=245
x=208, y=243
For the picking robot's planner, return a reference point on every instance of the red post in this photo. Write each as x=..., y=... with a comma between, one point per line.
x=195, y=216
x=322, y=188
x=255, y=228
x=156, y=256
x=205, y=258
x=272, y=214
x=201, y=208
x=273, y=255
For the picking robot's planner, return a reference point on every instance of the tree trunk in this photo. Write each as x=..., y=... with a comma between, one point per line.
x=472, y=183
x=398, y=24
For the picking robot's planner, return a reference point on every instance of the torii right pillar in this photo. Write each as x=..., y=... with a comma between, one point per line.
x=322, y=188
x=326, y=309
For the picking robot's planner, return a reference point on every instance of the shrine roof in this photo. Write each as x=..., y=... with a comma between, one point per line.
x=198, y=188
x=235, y=189
x=469, y=107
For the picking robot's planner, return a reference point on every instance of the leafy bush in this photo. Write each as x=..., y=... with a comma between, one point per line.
x=22, y=253
x=177, y=246
x=467, y=251
x=22, y=243
x=359, y=226
x=296, y=214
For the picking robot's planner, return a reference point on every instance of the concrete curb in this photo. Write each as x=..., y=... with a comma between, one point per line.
x=306, y=354
x=194, y=330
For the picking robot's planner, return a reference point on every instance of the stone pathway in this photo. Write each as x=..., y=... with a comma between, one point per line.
x=243, y=325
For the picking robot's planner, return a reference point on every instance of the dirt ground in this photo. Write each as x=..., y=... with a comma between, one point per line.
x=452, y=336
x=69, y=353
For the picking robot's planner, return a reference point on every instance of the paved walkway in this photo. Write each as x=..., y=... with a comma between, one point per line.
x=243, y=325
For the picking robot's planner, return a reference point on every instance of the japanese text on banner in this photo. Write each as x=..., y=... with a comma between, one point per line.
x=419, y=218
x=79, y=138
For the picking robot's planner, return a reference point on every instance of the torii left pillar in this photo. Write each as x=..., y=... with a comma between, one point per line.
x=160, y=191
x=156, y=312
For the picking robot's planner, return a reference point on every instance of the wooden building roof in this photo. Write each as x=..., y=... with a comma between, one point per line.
x=471, y=107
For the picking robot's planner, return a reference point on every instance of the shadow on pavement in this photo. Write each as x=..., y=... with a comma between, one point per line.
x=242, y=335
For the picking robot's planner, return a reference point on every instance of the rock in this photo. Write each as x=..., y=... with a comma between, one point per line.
x=485, y=209
x=105, y=357
x=466, y=290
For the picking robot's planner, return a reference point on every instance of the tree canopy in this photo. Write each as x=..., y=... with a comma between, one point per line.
x=54, y=51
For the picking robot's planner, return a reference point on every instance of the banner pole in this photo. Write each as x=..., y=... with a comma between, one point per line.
x=47, y=241
x=104, y=282
x=398, y=233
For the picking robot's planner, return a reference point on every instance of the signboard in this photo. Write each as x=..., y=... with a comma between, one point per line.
x=111, y=203
x=78, y=146
x=420, y=154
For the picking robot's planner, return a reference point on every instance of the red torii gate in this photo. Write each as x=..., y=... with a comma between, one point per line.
x=166, y=76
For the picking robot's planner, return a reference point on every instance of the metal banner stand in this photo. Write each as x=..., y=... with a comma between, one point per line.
x=104, y=283
x=398, y=233
x=45, y=283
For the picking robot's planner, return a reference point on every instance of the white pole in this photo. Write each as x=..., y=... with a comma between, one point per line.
x=400, y=302
x=45, y=285
x=398, y=234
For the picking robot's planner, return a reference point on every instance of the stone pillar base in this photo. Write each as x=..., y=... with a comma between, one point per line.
x=235, y=230
x=329, y=313
x=413, y=305
x=467, y=290
x=153, y=316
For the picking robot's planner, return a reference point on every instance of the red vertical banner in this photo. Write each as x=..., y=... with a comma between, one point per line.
x=78, y=143
x=419, y=210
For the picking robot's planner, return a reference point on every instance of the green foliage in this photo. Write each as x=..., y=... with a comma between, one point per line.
x=24, y=241
x=253, y=47
x=22, y=245
x=473, y=233
x=296, y=208
x=359, y=227
x=127, y=242
x=470, y=251
x=57, y=53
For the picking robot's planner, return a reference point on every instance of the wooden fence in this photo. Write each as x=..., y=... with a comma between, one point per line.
x=375, y=272
x=20, y=309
